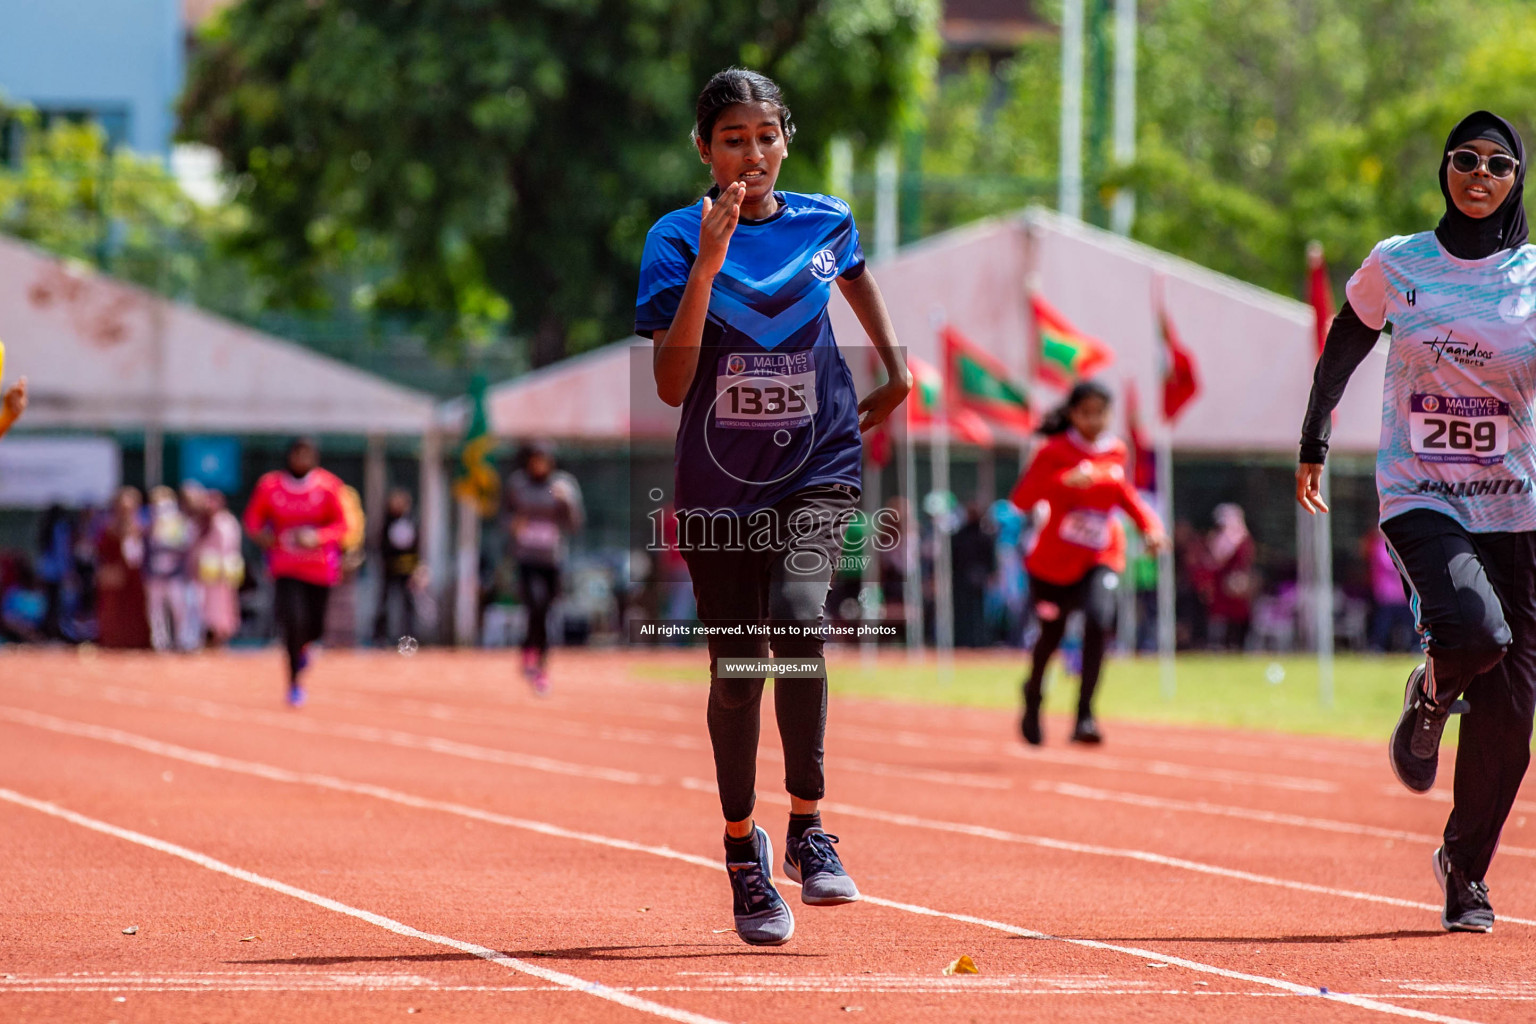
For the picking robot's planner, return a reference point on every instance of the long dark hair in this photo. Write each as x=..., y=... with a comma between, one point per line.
x=738, y=85
x=1058, y=420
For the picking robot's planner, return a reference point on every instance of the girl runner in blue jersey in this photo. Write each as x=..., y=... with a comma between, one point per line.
x=734, y=292
x=1456, y=472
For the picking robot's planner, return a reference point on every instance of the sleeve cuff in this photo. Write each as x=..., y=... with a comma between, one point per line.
x=1313, y=452
x=854, y=272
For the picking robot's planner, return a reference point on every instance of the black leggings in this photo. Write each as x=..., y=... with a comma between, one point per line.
x=786, y=584
x=1474, y=597
x=1094, y=596
x=540, y=584
x=298, y=608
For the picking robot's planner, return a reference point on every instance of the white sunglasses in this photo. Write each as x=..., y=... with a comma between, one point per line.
x=1499, y=165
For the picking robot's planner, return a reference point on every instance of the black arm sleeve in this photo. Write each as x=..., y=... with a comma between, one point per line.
x=1349, y=342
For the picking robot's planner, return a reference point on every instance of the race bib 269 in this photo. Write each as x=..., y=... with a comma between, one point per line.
x=1452, y=428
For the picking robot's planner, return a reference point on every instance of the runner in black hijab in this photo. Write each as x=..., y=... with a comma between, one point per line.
x=1458, y=513
x=1472, y=238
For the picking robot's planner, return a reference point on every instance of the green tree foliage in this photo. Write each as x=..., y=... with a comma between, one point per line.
x=501, y=160
x=66, y=192
x=1262, y=124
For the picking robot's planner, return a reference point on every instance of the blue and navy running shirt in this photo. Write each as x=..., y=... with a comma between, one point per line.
x=772, y=408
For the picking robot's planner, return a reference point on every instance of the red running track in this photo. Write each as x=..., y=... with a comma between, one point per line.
x=429, y=838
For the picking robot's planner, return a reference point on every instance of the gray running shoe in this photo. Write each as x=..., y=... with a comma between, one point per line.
x=811, y=861
x=762, y=916
x=1415, y=747
x=1466, y=903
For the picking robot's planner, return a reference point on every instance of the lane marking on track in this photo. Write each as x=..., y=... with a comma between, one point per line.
x=373, y=734
x=273, y=773
x=565, y=981
x=917, y=740
x=494, y=755
x=1071, y=789
x=35, y=719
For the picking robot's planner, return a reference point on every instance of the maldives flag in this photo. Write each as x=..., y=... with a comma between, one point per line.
x=926, y=402
x=1067, y=355
x=1319, y=292
x=1180, y=384
x=1141, y=459
x=981, y=384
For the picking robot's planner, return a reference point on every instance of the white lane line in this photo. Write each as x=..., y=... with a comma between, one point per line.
x=35, y=719
x=1071, y=789
x=437, y=744
x=217, y=761
x=1168, y=769
x=371, y=734
x=1103, y=762
x=565, y=981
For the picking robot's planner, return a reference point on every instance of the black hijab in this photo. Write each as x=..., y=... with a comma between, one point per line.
x=1472, y=238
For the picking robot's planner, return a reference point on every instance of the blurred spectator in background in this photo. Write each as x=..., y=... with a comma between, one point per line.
x=55, y=565
x=1010, y=591
x=543, y=508
x=13, y=405
x=341, y=612
x=399, y=558
x=893, y=559
x=1194, y=586
x=23, y=607
x=1392, y=622
x=973, y=556
x=1233, y=554
x=194, y=509
x=121, y=616
x=220, y=569
x=167, y=549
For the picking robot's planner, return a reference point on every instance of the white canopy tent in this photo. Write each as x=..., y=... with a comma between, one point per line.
x=103, y=355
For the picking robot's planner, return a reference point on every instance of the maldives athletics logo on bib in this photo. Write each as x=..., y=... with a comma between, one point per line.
x=824, y=265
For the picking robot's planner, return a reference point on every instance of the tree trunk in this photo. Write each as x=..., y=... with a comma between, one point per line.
x=548, y=341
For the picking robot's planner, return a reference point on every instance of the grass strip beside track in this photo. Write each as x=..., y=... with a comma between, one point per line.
x=1232, y=691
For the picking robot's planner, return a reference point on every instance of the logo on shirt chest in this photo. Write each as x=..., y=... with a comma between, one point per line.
x=824, y=265
x=1447, y=347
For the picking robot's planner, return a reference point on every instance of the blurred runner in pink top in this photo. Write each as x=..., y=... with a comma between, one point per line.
x=296, y=515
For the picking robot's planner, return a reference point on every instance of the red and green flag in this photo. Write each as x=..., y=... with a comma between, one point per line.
x=1067, y=355
x=926, y=406
x=979, y=383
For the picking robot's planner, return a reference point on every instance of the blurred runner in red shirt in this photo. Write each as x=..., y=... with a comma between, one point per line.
x=1079, y=554
x=297, y=516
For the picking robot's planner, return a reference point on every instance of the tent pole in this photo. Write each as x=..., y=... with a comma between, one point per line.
x=434, y=512
x=943, y=578
x=466, y=596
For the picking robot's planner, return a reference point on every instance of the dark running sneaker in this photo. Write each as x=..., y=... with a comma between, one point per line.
x=1029, y=725
x=811, y=861
x=1415, y=747
x=1087, y=731
x=1466, y=903
x=762, y=916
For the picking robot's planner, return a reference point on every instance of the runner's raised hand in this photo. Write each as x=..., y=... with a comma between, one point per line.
x=717, y=226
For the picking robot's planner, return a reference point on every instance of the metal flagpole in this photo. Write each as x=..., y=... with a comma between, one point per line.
x=943, y=580
x=1124, y=210
x=1322, y=605
x=1070, y=186
x=912, y=534
x=1167, y=627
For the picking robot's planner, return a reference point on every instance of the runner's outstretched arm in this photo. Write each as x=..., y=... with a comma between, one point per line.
x=1349, y=341
x=863, y=294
